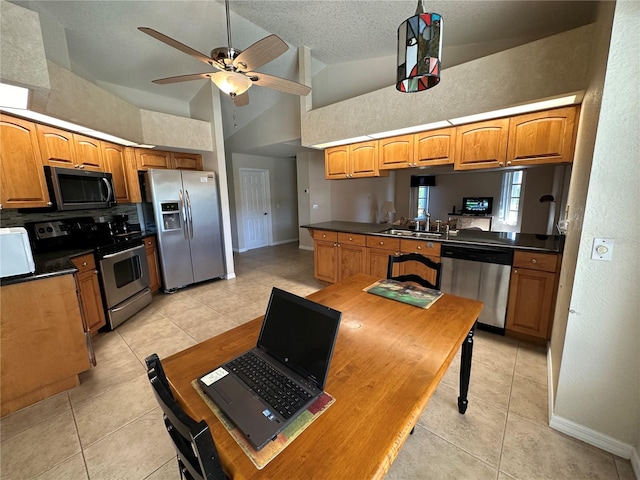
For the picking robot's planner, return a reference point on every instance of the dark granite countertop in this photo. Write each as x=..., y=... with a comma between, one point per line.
x=48, y=264
x=520, y=241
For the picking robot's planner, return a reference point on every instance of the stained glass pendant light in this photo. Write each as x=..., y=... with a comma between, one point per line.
x=419, y=51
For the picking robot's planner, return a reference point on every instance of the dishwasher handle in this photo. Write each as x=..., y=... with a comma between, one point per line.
x=498, y=255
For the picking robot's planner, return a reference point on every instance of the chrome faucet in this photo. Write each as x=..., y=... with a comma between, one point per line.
x=427, y=222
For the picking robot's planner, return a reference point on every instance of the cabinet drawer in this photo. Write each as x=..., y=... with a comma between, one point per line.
x=84, y=263
x=547, y=262
x=325, y=236
x=383, y=243
x=351, y=239
x=425, y=247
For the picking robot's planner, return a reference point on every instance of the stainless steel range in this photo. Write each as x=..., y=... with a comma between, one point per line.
x=120, y=256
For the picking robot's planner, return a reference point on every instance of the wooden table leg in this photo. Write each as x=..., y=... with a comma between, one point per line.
x=465, y=370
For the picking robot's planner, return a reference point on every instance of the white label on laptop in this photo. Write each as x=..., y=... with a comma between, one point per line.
x=214, y=376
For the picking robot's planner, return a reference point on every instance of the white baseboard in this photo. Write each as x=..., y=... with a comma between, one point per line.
x=305, y=247
x=291, y=240
x=597, y=439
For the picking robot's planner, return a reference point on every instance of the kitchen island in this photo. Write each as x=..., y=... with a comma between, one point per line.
x=529, y=280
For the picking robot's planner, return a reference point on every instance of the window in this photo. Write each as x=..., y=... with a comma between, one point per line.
x=422, y=204
x=512, y=191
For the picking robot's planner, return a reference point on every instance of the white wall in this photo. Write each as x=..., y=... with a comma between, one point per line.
x=283, y=194
x=598, y=392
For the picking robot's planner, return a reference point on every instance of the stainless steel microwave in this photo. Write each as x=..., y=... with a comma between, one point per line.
x=72, y=189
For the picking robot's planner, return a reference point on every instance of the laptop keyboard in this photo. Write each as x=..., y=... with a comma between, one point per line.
x=284, y=396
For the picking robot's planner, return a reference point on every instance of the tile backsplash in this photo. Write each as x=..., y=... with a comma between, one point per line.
x=17, y=218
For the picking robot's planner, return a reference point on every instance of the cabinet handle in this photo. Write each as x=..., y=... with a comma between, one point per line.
x=49, y=203
x=149, y=243
x=500, y=164
x=533, y=260
x=95, y=272
x=350, y=239
x=84, y=264
x=515, y=271
x=381, y=243
x=509, y=163
x=419, y=247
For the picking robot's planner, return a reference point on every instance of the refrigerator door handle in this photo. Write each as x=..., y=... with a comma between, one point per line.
x=186, y=192
x=185, y=226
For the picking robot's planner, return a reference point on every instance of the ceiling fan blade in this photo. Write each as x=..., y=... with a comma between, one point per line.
x=261, y=52
x=241, y=100
x=180, y=46
x=183, y=78
x=279, y=83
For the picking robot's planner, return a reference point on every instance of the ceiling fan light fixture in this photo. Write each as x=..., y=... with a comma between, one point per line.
x=419, y=51
x=231, y=82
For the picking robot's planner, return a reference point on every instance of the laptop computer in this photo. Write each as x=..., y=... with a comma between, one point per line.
x=296, y=343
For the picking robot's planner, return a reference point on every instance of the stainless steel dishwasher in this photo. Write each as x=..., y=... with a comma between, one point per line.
x=481, y=273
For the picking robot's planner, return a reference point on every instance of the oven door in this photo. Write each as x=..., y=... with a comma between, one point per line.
x=124, y=274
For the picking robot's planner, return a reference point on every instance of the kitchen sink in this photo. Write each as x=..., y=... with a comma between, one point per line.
x=410, y=233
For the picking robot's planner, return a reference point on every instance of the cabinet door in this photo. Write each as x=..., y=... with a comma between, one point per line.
x=531, y=294
x=351, y=260
x=336, y=162
x=22, y=182
x=396, y=152
x=378, y=251
x=186, y=161
x=543, y=137
x=89, y=293
x=435, y=147
x=115, y=162
x=325, y=261
x=482, y=145
x=152, y=261
x=56, y=147
x=146, y=159
x=363, y=159
x=88, y=153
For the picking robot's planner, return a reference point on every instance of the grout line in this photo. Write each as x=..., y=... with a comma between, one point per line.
x=504, y=431
x=75, y=423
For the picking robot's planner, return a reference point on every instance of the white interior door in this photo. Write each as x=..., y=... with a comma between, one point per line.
x=256, y=201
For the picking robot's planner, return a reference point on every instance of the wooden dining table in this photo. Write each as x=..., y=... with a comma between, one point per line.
x=389, y=357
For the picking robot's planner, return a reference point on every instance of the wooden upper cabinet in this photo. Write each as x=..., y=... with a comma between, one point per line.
x=22, y=181
x=88, y=152
x=56, y=147
x=186, y=161
x=543, y=137
x=352, y=161
x=120, y=161
x=434, y=147
x=482, y=144
x=336, y=162
x=396, y=152
x=146, y=159
x=363, y=157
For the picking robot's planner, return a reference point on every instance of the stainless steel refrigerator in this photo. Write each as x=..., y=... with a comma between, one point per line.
x=186, y=210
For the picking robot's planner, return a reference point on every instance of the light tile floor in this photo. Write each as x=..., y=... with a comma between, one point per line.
x=110, y=427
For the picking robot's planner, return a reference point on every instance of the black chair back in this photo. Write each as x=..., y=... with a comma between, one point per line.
x=412, y=277
x=197, y=454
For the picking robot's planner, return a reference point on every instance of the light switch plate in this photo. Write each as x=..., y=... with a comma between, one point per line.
x=602, y=249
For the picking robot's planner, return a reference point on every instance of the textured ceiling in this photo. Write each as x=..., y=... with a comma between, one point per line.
x=105, y=46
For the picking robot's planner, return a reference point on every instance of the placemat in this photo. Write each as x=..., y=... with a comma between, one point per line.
x=284, y=438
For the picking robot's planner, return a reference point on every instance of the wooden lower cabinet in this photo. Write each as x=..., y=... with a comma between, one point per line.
x=532, y=294
x=42, y=340
x=152, y=261
x=378, y=251
x=338, y=255
x=89, y=293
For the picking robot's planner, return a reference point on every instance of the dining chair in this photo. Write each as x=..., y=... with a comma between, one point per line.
x=413, y=277
x=195, y=450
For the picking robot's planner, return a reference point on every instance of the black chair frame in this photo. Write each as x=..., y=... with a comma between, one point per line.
x=416, y=257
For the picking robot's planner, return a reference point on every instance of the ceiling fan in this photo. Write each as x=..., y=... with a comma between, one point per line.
x=235, y=67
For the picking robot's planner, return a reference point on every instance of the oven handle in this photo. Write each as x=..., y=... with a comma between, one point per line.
x=185, y=226
x=131, y=300
x=122, y=251
x=186, y=192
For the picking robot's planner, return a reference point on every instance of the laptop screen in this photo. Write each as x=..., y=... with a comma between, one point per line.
x=300, y=333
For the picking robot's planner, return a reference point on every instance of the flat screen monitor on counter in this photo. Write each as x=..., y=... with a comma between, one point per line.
x=477, y=205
